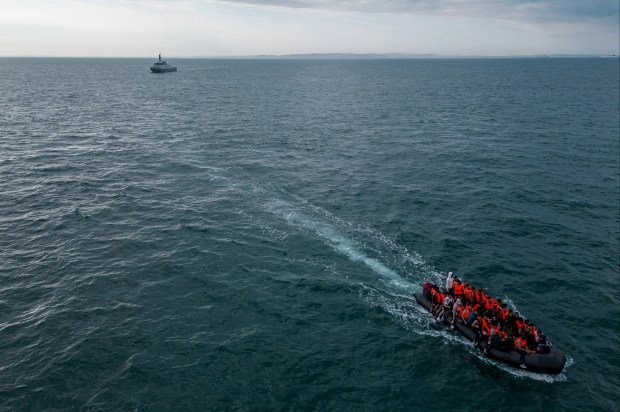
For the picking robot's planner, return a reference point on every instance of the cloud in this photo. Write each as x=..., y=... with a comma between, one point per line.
x=533, y=10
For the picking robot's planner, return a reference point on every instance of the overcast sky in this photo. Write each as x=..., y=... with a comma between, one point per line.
x=251, y=27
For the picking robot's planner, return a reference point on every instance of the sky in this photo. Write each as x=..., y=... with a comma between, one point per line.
x=210, y=28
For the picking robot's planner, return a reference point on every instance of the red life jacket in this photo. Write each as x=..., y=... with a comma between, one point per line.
x=465, y=314
x=505, y=314
x=458, y=289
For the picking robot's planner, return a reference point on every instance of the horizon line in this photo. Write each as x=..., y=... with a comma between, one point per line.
x=332, y=55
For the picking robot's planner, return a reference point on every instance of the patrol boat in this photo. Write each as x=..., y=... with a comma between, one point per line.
x=160, y=66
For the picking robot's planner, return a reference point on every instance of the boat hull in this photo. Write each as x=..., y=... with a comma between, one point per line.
x=551, y=363
x=163, y=69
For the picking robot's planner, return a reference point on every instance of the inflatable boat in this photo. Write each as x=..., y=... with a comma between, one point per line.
x=551, y=363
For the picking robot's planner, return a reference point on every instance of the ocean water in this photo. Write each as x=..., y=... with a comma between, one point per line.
x=247, y=234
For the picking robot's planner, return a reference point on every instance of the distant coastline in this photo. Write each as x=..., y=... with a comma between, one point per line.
x=343, y=56
x=409, y=56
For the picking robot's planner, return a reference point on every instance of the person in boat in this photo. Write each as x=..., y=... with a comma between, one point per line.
x=471, y=317
x=495, y=341
x=503, y=312
x=471, y=294
x=457, y=308
x=467, y=316
x=497, y=309
x=450, y=282
x=488, y=307
x=489, y=330
x=476, y=326
x=426, y=290
x=465, y=313
x=459, y=289
x=466, y=292
x=519, y=323
x=437, y=302
x=510, y=321
x=446, y=308
x=543, y=345
x=505, y=343
x=521, y=348
x=438, y=298
x=530, y=336
x=475, y=306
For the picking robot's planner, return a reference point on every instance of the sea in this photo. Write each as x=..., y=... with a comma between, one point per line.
x=247, y=234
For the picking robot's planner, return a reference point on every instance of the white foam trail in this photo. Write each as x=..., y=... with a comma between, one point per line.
x=339, y=242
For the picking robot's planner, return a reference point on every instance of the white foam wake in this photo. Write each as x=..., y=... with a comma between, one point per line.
x=340, y=243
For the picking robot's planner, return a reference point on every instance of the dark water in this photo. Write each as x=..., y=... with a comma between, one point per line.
x=246, y=235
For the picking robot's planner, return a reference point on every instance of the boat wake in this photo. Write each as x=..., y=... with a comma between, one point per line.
x=401, y=272
x=339, y=242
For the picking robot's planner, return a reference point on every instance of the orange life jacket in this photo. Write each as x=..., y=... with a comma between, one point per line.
x=466, y=290
x=485, y=326
x=487, y=299
x=519, y=343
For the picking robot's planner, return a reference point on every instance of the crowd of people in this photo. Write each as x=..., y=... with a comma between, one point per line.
x=489, y=318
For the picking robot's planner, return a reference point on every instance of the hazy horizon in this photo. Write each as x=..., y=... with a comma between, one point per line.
x=343, y=56
x=234, y=28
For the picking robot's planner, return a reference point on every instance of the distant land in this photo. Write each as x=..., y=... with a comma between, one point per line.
x=406, y=56
x=338, y=56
